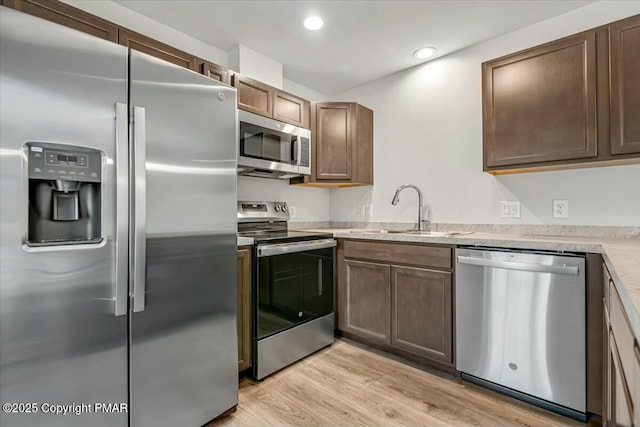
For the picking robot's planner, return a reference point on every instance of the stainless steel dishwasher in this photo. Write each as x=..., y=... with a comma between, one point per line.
x=520, y=325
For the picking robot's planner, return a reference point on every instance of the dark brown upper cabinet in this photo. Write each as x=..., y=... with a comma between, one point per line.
x=254, y=96
x=155, y=48
x=624, y=53
x=573, y=102
x=342, y=146
x=291, y=109
x=69, y=16
x=215, y=71
x=540, y=104
x=260, y=98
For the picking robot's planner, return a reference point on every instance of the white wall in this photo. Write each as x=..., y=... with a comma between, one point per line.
x=428, y=131
x=255, y=65
x=310, y=204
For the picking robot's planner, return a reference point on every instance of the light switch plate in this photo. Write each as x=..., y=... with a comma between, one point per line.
x=561, y=209
x=509, y=209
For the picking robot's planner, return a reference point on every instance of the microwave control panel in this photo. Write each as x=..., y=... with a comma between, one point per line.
x=304, y=157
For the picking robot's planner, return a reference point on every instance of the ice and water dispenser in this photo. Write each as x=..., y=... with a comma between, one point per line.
x=64, y=194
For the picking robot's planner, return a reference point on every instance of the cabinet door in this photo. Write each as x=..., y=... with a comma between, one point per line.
x=540, y=105
x=619, y=398
x=153, y=47
x=254, y=96
x=244, y=309
x=215, y=72
x=291, y=109
x=421, y=312
x=334, y=136
x=69, y=16
x=624, y=39
x=366, y=300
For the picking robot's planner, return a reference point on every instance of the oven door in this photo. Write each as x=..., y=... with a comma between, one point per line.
x=295, y=284
x=268, y=144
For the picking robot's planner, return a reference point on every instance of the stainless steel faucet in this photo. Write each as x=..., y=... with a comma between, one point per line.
x=423, y=224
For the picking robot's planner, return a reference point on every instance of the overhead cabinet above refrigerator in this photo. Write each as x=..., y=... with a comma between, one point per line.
x=118, y=224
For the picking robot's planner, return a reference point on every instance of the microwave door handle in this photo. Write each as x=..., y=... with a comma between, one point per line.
x=295, y=148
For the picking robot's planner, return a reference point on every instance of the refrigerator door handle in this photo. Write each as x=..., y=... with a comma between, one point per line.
x=139, y=210
x=122, y=210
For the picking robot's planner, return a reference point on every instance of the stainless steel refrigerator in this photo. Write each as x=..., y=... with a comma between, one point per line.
x=117, y=234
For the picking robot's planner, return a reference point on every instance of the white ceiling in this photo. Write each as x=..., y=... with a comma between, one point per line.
x=361, y=40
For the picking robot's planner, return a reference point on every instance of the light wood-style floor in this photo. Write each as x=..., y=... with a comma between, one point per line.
x=348, y=385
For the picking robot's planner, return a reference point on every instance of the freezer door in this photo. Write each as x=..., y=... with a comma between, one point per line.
x=63, y=341
x=183, y=320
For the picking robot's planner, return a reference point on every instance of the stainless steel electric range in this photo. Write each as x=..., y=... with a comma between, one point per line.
x=293, y=287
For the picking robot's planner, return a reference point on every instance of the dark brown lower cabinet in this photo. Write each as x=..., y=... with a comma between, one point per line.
x=403, y=309
x=620, y=411
x=366, y=300
x=621, y=379
x=244, y=308
x=421, y=315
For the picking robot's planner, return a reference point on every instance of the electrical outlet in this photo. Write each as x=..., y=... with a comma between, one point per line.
x=292, y=211
x=561, y=209
x=368, y=211
x=509, y=209
x=361, y=211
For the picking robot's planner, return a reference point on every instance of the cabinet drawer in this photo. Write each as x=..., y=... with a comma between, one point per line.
x=624, y=338
x=399, y=253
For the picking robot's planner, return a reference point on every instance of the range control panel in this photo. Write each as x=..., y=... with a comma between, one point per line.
x=262, y=211
x=60, y=161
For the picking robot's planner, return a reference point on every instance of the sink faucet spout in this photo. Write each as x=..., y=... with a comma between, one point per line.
x=423, y=224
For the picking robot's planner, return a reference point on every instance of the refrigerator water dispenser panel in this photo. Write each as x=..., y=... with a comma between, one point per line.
x=65, y=197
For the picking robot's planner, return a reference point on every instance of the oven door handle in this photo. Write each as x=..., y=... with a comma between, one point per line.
x=289, y=248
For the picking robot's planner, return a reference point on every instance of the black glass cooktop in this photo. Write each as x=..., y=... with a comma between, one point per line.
x=284, y=236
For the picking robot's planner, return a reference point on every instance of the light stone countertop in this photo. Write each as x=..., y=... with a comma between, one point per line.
x=621, y=256
x=245, y=241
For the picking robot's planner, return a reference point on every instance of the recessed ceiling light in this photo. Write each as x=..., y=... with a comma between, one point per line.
x=313, y=23
x=424, y=52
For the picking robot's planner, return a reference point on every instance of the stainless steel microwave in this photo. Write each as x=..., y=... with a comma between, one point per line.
x=268, y=148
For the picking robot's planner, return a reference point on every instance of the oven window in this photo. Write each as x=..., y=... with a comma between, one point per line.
x=293, y=289
x=261, y=143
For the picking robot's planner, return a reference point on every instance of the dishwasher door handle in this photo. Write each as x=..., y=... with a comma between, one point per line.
x=522, y=266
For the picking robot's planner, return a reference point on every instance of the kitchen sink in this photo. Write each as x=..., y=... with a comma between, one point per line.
x=415, y=232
